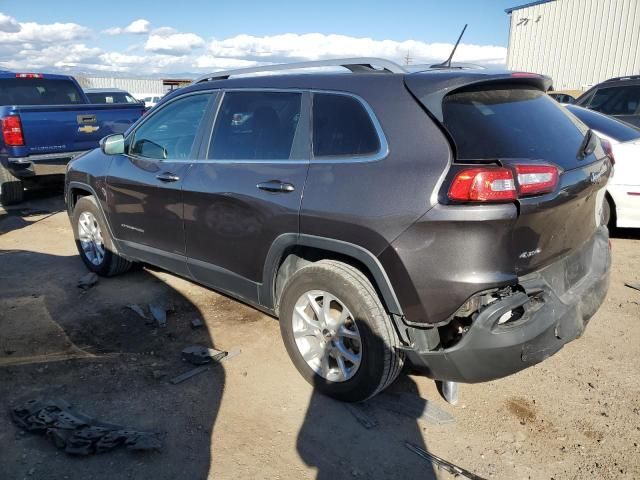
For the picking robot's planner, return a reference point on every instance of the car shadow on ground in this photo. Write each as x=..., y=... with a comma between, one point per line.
x=336, y=442
x=88, y=348
x=38, y=205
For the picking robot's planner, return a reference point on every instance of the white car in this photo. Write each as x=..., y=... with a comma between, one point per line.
x=150, y=99
x=623, y=189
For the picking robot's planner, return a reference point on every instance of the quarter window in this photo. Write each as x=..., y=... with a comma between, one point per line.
x=256, y=126
x=169, y=133
x=342, y=127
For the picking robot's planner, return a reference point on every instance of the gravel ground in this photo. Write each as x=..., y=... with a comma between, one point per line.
x=575, y=416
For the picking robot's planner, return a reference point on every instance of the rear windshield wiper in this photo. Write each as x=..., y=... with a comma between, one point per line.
x=588, y=145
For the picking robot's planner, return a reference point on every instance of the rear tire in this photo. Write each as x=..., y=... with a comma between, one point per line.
x=11, y=189
x=321, y=357
x=93, y=240
x=609, y=214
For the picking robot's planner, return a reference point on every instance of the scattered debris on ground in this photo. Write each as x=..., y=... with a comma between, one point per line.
x=199, y=355
x=412, y=406
x=159, y=313
x=187, y=375
x=87, y=281
x=363, y=414
x=76, y=433
x=139, y=310
x=196, y=323
x=442, y=463
x=634, y=285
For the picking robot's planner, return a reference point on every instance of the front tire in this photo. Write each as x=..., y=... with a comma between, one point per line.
x=93, y=241
x=337, y=332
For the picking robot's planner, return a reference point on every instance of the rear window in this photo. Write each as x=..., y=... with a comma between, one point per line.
x=616, y=100
x=110, y=97
x=342, y=127
x=38, y=91
x=512, y=122
x=620, y=131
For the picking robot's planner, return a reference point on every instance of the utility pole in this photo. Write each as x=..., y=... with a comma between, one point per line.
x=407, y=58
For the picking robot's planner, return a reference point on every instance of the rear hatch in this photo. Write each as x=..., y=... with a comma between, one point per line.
x=508, y=121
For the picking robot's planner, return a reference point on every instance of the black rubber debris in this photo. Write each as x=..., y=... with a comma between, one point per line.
x=76, y=433
x=198, y=355
x=87, y=281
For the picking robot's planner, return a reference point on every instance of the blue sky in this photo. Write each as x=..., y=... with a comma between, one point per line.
x=155, y=37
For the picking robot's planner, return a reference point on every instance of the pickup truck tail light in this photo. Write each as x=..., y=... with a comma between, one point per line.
x=502, y=184
x=12, y=131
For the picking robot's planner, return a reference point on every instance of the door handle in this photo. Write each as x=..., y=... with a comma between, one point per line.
x=276, y=186
x=168, y=177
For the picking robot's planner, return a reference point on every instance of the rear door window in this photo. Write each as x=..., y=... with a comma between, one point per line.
x=512, y=122
x=169, y=134
x=39, y=91
x=342, y=127
x=256, y=126
x=616, y=100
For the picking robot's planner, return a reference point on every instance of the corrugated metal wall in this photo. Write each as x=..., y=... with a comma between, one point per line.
x=577, y=42
x=135, y=86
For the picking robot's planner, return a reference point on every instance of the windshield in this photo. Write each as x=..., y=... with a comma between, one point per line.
x=110, y=97
x=616, y=129
x=39, y=91
x=511, y=122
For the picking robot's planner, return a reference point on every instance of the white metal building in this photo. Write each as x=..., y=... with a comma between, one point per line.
x=136, y=86
x=577, y=42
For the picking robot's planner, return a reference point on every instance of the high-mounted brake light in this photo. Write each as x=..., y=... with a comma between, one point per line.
x=28, y=75
x=12, y=131
x=536, y=179
x=486, y=184
x=525, y=75
x=608, y=149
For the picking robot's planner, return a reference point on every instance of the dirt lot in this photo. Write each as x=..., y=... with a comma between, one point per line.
x=575, y=416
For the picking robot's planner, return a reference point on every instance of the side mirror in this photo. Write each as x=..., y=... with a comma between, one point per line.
x=112, y=144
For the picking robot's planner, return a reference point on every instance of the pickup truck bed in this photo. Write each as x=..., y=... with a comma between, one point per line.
x=46, y=121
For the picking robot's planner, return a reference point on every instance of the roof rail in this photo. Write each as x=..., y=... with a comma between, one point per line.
x=356, y=65
x=625, y=77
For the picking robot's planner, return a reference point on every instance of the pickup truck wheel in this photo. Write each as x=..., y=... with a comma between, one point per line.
x=11, y=189
x=337, y=332
x=93, y=241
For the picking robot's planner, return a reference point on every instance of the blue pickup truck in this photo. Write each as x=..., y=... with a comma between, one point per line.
x=46, y=121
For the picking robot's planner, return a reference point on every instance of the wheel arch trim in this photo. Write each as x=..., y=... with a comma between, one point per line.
x=75, y=185
x=282, y=243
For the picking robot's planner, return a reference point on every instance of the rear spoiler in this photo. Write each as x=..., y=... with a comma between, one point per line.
x=431, y=87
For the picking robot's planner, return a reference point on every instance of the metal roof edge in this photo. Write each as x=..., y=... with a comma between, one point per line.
x=530, y=4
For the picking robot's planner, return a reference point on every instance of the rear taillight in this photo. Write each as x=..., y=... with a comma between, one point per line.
x=488, y=184
x=498, y=184
x=12, y=131
x=608, y=149
x=536, y=179
x=28, y=75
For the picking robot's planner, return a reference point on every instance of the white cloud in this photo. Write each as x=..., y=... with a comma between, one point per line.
x=8, y=24
x=44, y=33
x=137, y=27
x=316, y=46
x=161, y=51
x=170, y=43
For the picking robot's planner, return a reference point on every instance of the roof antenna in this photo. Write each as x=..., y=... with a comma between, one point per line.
x=447, y=62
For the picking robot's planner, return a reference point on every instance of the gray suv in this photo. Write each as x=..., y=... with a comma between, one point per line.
x=450, y=219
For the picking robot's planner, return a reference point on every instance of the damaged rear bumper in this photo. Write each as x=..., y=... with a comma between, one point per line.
x=558, y=302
